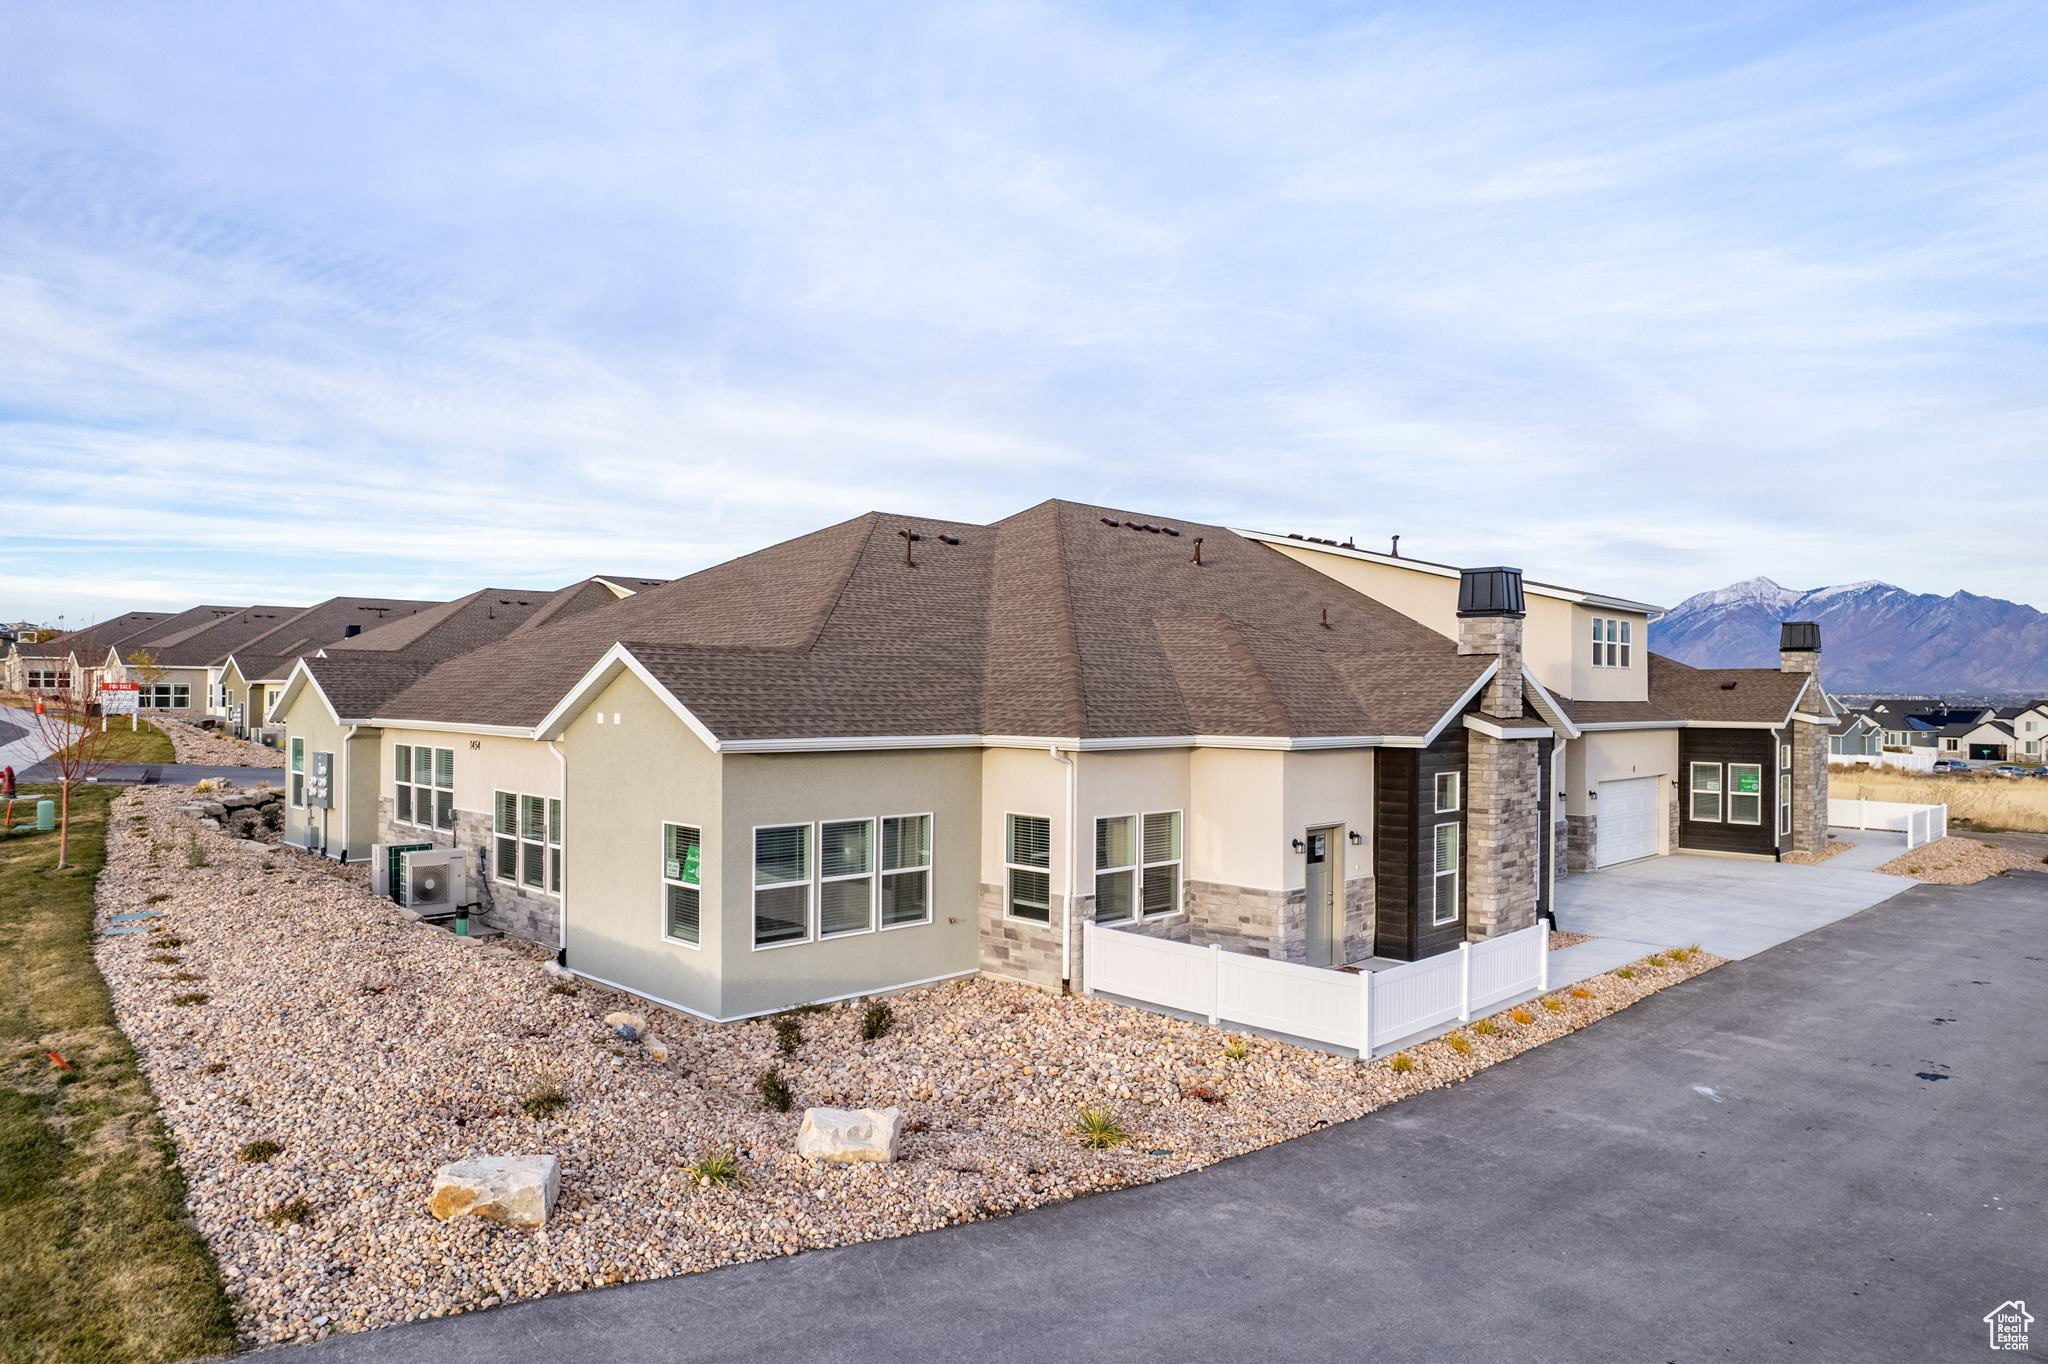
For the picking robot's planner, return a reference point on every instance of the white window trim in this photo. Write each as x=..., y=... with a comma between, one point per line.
x=1457, y=870
x=546, y=842
x=1457, y=780
x=1009, y=866
x=295, y=772
x=872, y=876
x=809, y=883
x=931, y=880
x=1137, y=819
x=415, y=822
x=1627, y=650
x=1693, y=793
x=661, y=872
x=1756, y=823
x=1180, y=881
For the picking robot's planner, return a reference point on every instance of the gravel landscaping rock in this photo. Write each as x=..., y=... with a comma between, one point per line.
x=375, y=1050
x=1962, y=861
x=1835, y=848
x=191, y=744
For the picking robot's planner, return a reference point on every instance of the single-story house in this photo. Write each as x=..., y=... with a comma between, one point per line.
x=177, y=665
x=253, y=672
x=69, y=662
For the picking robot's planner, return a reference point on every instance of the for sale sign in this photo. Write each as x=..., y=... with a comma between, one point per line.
x=119, y=698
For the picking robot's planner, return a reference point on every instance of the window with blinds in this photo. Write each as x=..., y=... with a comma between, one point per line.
x=526, y=841
x=1116, y=868
x=1027, y=842
x=1445, y=907
x=682, y=847
x=424, y=785
x=298, y=771
x=906, y=870
x=782, y=884
x=1161, y=884
x=846, y=877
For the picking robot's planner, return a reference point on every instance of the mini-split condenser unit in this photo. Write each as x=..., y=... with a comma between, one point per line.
x=435, y=881
x=387, y=866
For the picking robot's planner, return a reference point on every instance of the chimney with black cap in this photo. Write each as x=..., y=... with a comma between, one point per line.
x=1490, y=612
x=1799, y=646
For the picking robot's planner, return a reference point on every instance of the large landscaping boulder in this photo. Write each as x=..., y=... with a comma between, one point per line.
x=845, y=1135
x=517, y=1190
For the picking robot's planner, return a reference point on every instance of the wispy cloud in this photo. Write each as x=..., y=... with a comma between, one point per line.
x=414, y=300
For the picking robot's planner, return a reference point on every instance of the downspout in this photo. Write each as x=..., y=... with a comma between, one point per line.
x=347, y=741
x=1073, y=851
x=562, y=911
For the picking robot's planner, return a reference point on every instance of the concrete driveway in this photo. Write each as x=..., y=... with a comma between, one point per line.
x=1731, y=906
x=1828, y=1151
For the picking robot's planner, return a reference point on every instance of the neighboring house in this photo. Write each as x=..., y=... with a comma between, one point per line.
x=1623, y=780
x=1856, y=738
x=1977, y=740
x=898, y=750
x=2029, y=725
x=330, y=697
x=255, y=671
x=71, y=661
x=1907, y=722
x=176, y=664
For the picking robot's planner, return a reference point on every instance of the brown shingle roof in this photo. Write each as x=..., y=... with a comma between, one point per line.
x=1755, y=696
x=209, y=635
x=99, y=637
x=1047, y=623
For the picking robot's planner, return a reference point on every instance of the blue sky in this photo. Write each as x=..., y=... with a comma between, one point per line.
x=298, y=301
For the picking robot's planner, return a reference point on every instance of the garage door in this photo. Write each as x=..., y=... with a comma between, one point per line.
x=1629, y=816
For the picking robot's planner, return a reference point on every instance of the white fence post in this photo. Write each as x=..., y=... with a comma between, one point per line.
x=1364, y=1014
x=1543, y=962
x=1465, y=982
x=1215, y=983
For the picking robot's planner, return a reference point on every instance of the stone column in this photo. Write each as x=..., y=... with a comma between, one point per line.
x=1799, y=652
x=1504, y=798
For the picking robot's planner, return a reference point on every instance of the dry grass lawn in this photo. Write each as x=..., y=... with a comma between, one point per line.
x=2019, y=804
x=96, y=1261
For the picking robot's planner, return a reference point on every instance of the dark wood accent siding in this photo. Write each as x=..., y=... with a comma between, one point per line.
x=1726, y=746
x=1404, y=860
x=1393, y=860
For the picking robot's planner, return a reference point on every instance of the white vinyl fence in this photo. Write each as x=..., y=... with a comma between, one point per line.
x=1364, y=1010
x=1920, y=823
x=1912, y=760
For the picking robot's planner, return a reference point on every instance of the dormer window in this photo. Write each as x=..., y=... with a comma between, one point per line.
x=1611, y=643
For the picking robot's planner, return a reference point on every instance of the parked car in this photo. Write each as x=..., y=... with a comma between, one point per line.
x=1944, y=765
x=2007, y=769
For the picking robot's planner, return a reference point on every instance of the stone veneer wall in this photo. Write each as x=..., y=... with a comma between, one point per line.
x=508, y=908
x=1581, y=840
x=1809, y=787
x=1671, y=817
x=1502, y=835
x=1260, y=923
x=1500, y=636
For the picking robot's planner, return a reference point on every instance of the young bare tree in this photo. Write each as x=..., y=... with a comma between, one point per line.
x=77, y=750
x=146, y=668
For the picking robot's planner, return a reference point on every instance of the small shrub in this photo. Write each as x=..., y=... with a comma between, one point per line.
x=1459, y=1043
x=775, y=1091
x=257, y=1152
x=1485, y=1027
x=1581, y=992
x=217, y=1068
x=186, y=1000
x=543, y=1102
x=1915, y=871
x=562, y=987
x=272, y=817
x=1402, y=1063
x=1523, y=1017
x=1657, y=960
x=168, y=942
x=267, y=865
x=1098, y=1128
x=877, y=1020
x=186, y=977
x=195, y=851
x=789, y=1034
x=298, y=1212
x=157, y=897
x=1235, y=1049
x=1680, y=953
x=719, y=1169
x=1552, y=1003
x=1625, y=972
x=205, y=784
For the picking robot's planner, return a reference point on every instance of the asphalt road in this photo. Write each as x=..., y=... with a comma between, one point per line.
x=1832, y=1150
x=167, y=774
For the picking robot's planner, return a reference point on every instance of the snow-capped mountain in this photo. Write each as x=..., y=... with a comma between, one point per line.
x=1874, y=637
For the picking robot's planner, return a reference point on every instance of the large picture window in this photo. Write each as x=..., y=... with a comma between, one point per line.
x=424, y=786
x=1444, y=908
x=1705, y=785
x=1027, y=853
x=782, y=884
x=906, y=870
x=846, y=877
x=164, y=696
x=1745, y=793
x=682, y=877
